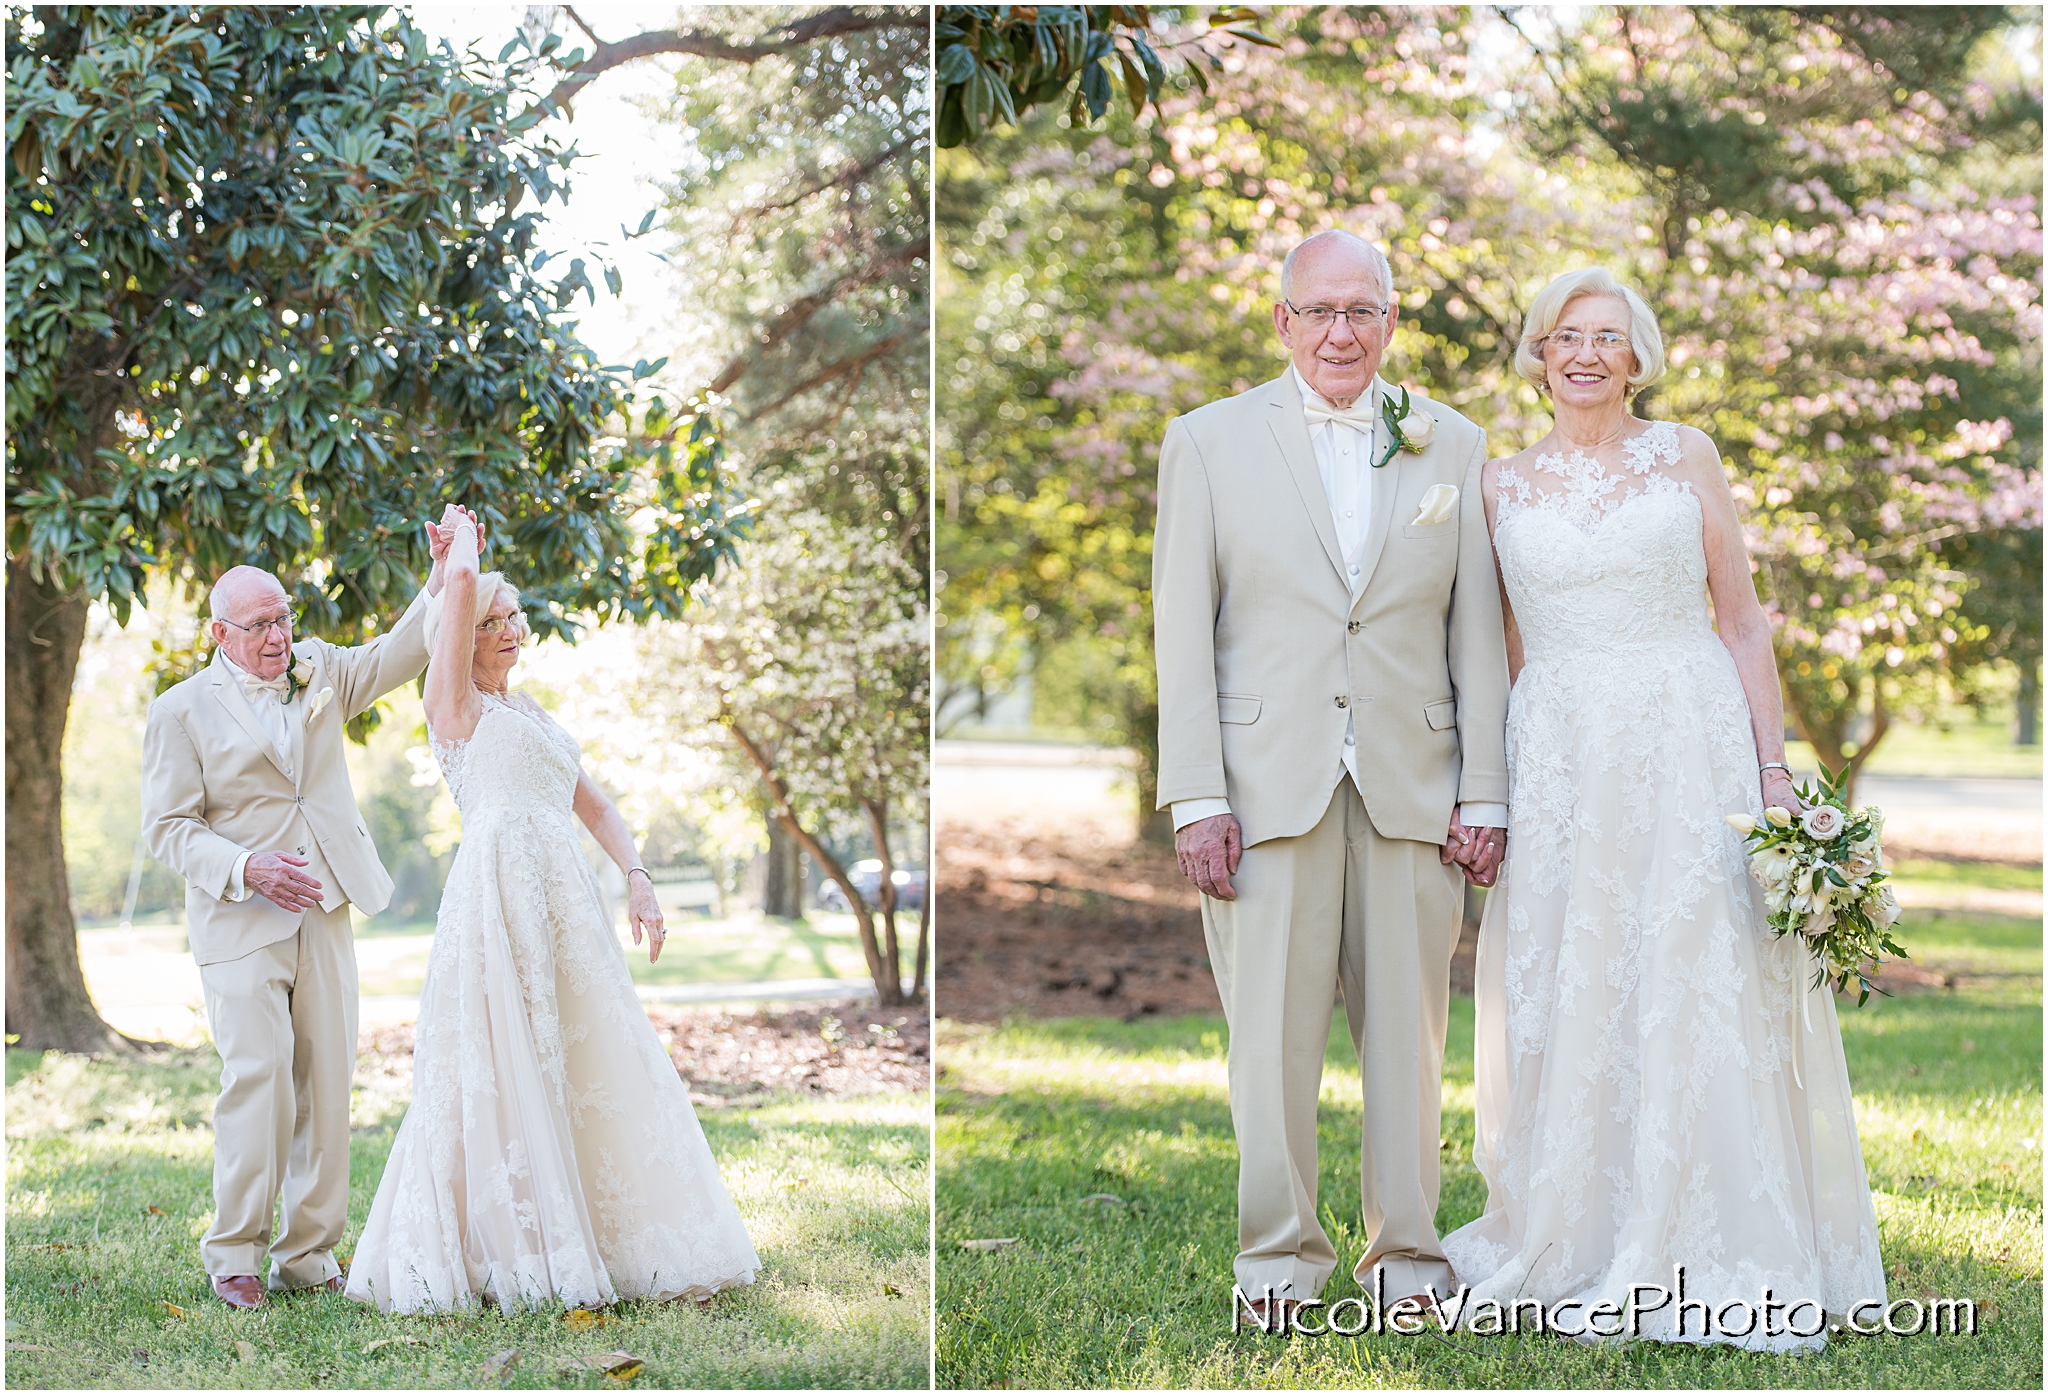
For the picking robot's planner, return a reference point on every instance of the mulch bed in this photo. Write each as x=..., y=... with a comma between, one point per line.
x=1032, y=925
x=745, y=1057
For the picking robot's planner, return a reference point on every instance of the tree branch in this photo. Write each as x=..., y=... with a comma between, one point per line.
x=853, y=171
x=853, y=364
x=800, y=313
x=697, y=43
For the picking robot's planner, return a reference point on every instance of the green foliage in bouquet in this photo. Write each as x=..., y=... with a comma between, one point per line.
x=1823, y=877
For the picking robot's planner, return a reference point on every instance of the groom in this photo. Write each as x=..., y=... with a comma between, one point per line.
x=246, y=795
x=1332, y=702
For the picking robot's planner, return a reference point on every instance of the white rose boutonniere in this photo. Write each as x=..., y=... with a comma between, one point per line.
x=318, y=704
x=1409, y=427
x=297, y=677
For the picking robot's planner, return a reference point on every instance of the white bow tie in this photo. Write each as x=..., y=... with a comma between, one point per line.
x=1358, y=416
x=252, y=685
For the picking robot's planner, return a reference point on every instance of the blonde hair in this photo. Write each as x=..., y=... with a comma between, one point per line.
x=489, y=588
x=1644, y=338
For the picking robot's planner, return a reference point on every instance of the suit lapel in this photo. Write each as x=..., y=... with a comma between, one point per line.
x=1383, y=491
x=229, y=693
x=295, y=729
x=1290, y=432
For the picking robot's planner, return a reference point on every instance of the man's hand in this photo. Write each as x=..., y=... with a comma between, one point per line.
x=1208, y=850
x=276, y=877
x=1477, y=851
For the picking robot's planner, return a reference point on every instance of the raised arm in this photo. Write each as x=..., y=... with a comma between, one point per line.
x=608, y=826
x=450, y=700
x=1738, y=619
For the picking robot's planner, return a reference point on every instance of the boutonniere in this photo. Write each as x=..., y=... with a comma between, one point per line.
x=1408, y=427
x=318, y=704
x=297, y=677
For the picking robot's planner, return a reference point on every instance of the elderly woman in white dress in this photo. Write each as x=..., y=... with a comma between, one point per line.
x=1660, y=1086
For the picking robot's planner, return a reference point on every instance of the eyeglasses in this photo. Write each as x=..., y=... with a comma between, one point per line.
x=1324, y=316
x=284, y=622
x=498, y=624
x=1571, y=340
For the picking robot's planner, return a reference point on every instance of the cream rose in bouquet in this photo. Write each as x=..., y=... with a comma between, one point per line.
x=1823, y=877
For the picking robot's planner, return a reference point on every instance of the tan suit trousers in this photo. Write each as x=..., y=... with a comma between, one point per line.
x=284, y=1022
x=1338, y=904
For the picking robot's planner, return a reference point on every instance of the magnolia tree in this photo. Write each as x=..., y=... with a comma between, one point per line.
x=1865, y=355
x=807, y=670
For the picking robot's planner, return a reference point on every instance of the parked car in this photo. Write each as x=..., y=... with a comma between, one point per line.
x=866, y=876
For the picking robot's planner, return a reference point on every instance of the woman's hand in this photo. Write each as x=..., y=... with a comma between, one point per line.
x=644, y=909
x=439, y=535
x=1777, y=789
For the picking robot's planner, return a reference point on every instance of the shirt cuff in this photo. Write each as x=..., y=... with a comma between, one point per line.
x=1187, y=811
x=238, y=889
x=1484, y=815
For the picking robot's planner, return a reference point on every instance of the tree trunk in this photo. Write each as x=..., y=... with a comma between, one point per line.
x=1142, y=721
x=48, y=1007
x=884, y=972
x=885, y=892
x=1829, y=736
x=783, y=891
x=2027, y=732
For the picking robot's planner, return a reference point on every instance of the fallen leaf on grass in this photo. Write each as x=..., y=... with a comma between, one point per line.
x=618, y=1365
x=503, y=1362
x=62, y=1247
x=892, y=1291
x=247, y=1351
x=1988, y=1314
x=989, y=1244
x=30, y=1346
x=1103, y=1199
x=154, y=1211
x=583, y=1319
x=1901, y=1272
x=174, y=1310
x=793, y=1185
x=393, y=1342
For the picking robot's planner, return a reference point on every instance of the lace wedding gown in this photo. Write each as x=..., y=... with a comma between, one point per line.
x=550, y=1152
x=1657, y=1083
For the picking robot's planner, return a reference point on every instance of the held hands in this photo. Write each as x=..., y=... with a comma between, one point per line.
x=440, y=535
x=276, y=877
x=1209, y=850
x=1477, y=851
x=643, y=909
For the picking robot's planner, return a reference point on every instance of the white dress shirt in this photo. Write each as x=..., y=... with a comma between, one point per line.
x=1344, y=456
x=266, y=701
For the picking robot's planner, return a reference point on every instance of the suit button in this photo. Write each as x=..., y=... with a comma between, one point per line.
x=1342, y=703
x=302, y=852
x=1352, y=628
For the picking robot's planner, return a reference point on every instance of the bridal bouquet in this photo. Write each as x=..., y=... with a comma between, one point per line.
x=1823, y=876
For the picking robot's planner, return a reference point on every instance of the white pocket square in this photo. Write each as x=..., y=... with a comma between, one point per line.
x=1437, y=505
x=319, y=703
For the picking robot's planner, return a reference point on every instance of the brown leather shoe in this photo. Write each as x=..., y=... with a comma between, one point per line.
x=239, y=1290
x=333, y=1285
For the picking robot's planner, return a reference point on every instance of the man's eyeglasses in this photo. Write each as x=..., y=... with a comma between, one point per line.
x=1323, y=316
x=498, y=624
x=1571, y=340
x=284, y=622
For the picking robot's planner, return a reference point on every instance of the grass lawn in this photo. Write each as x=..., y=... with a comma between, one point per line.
x=1039, y=1121
x=109, y=1187
x=1967, y=748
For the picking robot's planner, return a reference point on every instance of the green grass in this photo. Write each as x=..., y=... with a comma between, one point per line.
x=833, y=1191
x=1036, y=1117
x=1967, y=748
x=1975, y=876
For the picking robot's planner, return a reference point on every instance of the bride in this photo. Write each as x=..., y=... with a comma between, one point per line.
x=550, y=1153
x=1658, y=1083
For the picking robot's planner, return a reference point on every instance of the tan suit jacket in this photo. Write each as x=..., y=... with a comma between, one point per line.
x=215, y=787
x=1265, y=648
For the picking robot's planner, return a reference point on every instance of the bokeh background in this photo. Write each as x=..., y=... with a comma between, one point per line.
x=1835, y=213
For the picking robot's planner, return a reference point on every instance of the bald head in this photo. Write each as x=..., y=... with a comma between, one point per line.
x=1335, y=249
x=241, y=590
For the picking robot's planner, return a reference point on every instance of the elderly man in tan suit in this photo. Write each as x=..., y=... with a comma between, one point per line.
x=246, y=795
x=1332, y=704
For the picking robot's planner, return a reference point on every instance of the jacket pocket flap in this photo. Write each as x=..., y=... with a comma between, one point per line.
x=1237, y=707
x=1441, y=716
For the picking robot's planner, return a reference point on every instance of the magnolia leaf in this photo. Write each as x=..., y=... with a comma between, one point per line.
x=154, y=1211
x=174, y=1310
x=891, y=1290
